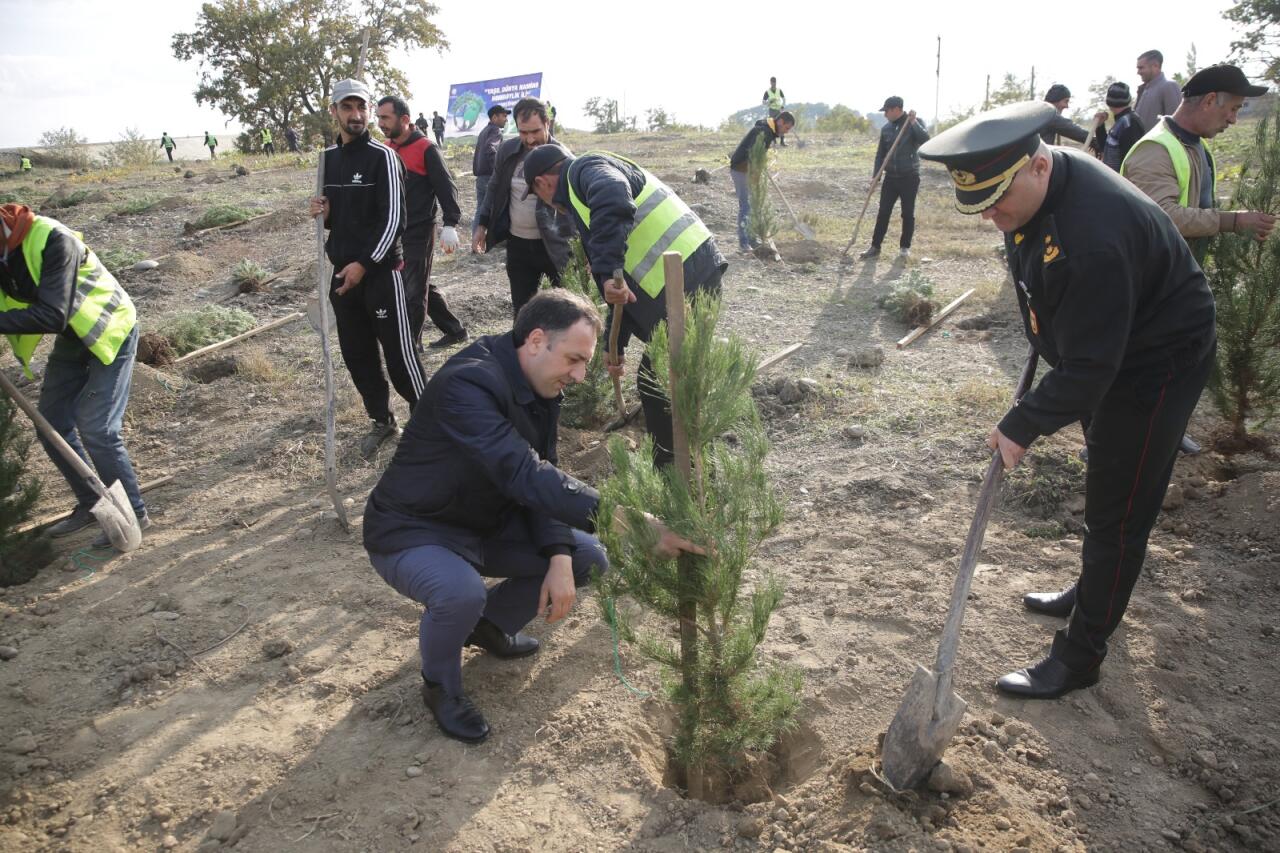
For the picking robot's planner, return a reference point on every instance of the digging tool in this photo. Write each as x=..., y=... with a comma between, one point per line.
x=113, y=511
x=331, y=402
x=615, y=327
x=930, y=712
x=875, y=181
x=805, y=231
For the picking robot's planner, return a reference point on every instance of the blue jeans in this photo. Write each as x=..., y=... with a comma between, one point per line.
x=744, y=206
x=482, y=187
x=454, y=594
x=84, y=400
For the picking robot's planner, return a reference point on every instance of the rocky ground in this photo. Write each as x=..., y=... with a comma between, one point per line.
x=245, y=680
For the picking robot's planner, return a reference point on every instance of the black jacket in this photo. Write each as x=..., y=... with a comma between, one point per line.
x=1060, y=125
x=741, y=156
x=1109, y=294
x=479, y=449
x=364, y=182
x=487, y=142
x=1115, y=143
x=426, y=180
x=495, y=215
x=437, y=123
x=906, y=157
x=51, y=297
x=608, y=187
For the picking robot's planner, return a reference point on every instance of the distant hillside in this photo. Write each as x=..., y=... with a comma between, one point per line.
x=806, y=114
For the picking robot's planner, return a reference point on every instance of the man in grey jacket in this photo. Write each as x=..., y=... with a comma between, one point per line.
x=537, y=236
x=486, y=149
x=1158, y=95
x=901, y=174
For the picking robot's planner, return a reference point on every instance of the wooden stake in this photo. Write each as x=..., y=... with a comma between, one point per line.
x=330, y=398
x=274, y=324
x=673, y=277
x=938, y=318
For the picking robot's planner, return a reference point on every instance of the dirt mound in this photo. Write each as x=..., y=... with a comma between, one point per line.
x=155, y=349
x=285, y=217
x=804, y=251
x=185, y=266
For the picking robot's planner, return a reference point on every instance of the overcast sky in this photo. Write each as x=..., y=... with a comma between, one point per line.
x=101, y=67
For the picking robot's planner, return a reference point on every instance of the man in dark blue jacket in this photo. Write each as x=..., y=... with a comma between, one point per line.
x=487, y=142
x=901, y=174
x=474, y=491
x=609, y=197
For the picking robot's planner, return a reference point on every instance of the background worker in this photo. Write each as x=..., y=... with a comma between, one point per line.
x=487, y=143
x=775, y=102
x=211, y=142
x=363, y=208
x=770, y=130
x=901, y=175
x=1115, y=305
x=428, y=186
x=268, y=142
x=24, y=163
x=437, y=127
x=51, y=283
x=1157, y=94
x=1059, y=97
x=627, y=218
x=1126, y=129
x=167, y=143
x=536, y=235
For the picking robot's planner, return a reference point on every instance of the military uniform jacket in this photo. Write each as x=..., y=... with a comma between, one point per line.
x=1109, y=293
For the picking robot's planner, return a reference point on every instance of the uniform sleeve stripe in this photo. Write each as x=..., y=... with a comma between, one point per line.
x=388, y=238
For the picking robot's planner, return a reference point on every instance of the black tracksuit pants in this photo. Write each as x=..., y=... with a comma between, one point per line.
x=891, y=190
x=422, y=298
x=527, y=263
x=373, y=314
x=1133, y=440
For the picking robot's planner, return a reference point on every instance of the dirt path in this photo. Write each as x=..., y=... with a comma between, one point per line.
x=246, y=680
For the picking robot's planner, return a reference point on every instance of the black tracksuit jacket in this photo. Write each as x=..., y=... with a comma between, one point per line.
x=364, y=182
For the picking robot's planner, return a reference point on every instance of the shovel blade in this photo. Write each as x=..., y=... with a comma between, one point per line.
x=917, y=737
x=115, y=516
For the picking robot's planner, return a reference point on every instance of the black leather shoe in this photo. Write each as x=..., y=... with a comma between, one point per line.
x=1048, y=679
x=1058, y=604
x=491, y=638
x=456, y=716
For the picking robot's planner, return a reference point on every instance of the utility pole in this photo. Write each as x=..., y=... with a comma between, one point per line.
x=937, y=86
x=1031, y=89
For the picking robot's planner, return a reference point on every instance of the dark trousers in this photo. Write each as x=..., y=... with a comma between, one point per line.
x=213, y=155
x=892, y=189
x=439, y=137
x=422, y=298
x=1133, y=441
x=527, y=263
x=373, y=314
x=269, y=148
x=169, y=151
x=453, y=593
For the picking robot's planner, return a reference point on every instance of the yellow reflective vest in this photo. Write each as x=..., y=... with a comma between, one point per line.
x=1161, y=135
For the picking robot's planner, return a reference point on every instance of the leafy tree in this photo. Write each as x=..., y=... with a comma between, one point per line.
x=274, y=62
x=657, y=118
x=21, y=554
x=1245, y=277
x=63, y=148
x=132, y=150
x=1181, y=77
x=728, y=703
x=841, y=119
x=1260, y=41
x=1012, y=90
x=604, y=111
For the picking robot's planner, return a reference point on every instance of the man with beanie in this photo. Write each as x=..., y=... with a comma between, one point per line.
x=901, y=174
x=1059, y=96
x=1122, y=316
x=1173, y=166
x=1126, y=130
x=627, y=219
x=770, y=130
x=1157, y=94
x=52, y=283
x=427, y=181
x=363, y=208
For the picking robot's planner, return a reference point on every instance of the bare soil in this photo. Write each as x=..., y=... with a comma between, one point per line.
x=246, y=680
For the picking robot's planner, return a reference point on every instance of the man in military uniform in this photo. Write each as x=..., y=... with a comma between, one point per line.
x=627, y=218
x=1114, y=303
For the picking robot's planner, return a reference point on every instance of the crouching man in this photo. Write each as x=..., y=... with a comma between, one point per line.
x=474, y=491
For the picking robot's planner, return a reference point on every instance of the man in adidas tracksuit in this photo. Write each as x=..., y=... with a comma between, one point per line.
x=363, y=208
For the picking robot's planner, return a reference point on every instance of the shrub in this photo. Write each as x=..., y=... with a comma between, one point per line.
x=910, y=301
x=762, y=223
x=191, y=330
x=221, y=214
x=21, y=554
x=119, y=258
x=249, y=276
x=62, y=149
x=132, y=151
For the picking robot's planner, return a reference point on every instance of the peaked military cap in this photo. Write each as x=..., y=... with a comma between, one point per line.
x=985, y=152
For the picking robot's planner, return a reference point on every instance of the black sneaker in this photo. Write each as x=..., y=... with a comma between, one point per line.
x=377, y=434
x=448, y=340
x=79, y=519
x=872, y=252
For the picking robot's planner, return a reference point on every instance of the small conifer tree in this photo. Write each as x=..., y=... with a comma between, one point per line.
x=762, y=221
x=21, y=554
x=727, y=703
x=1245, y=277
x=588, y=403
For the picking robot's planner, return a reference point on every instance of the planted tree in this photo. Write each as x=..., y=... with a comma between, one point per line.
x=21, y=554
x=762, y=221
x=727, y=703
x=1245, y=277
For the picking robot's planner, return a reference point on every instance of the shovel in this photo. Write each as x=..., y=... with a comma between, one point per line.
x=930, y=712
x=805, y=230
x=113, y=511
x=615, y=327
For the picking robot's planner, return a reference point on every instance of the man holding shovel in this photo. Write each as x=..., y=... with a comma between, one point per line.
x=51, y=283
x=900, y=140
x=770, y=130
x=1114, y=303
x=627, y=219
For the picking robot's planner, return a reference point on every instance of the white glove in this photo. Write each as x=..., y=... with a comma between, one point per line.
x=449, y=239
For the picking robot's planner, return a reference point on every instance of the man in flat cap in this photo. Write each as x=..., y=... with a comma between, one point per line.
x=1114, y=303
x=1059, y=97
x=1173, y=166
x=901, y=174
x=627, y=218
